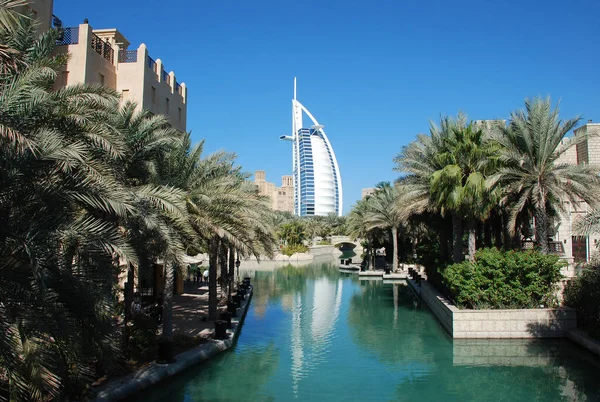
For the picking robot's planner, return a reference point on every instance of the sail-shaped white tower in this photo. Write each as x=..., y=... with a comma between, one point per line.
x=317, y=180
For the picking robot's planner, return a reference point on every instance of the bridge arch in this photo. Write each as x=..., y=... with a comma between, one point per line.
x=345, y=240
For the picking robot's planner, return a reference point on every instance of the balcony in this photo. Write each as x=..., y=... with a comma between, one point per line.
x=68, y=36
x=554, y=247
x=128, y=56
x=152, y=64
x=104, y=49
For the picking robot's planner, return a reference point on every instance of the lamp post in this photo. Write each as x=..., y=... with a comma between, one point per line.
x=237, y=265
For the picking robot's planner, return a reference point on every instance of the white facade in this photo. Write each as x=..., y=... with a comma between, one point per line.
x=316, y=175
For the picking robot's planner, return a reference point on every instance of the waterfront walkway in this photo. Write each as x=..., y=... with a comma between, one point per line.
x=190, y=311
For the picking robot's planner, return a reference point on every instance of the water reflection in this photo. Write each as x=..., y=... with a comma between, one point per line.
x=313, y=333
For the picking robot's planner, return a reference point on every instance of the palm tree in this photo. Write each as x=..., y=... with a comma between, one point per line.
x=531, y=174
x=383, y=212
x=58, y=232
x=418, y=161
x=223, y=207
x=359, y=227
x=312, y=226
x=157, y=224
x=292, y=233
x=13, y=24
x=460, y=186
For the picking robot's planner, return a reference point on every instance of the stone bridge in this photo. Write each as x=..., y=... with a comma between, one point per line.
x=346, y=240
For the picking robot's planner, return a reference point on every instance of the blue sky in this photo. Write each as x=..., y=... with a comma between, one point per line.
x=373, y=72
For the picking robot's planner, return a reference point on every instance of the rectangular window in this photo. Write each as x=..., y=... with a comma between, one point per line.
x=101, y=79
x=179, y=113
x=153, y=95
x=125, y=95
x=167, y=101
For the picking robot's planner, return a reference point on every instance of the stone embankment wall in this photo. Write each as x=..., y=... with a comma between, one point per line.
x=321, y=250
x=516, y=323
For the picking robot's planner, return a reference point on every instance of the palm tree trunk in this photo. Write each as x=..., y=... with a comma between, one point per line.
x=395, y=241
x=457, y=254
x=498, y=230
x=443, y=239
x=373, y=258
x=541, y=229
x=507, y=239
x=223, y=264
x=212, y=278
x=472, y=238
x=169, y=272
x=369, y=257
x=129, y=289
x=487, y=232
x=231, y=267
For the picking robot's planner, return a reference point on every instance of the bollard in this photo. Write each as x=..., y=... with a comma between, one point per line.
x=165, y=352
x=226, y=317
x=221, y=329
x=232, y=309
x=242, y=292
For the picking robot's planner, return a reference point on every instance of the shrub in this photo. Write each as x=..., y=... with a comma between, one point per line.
x=504, y=279
x=142, y=343
x=583, y=294
x=293, y=249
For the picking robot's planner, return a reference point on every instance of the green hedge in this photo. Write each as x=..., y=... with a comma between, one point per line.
x=293, y=249
x=504, y=279
x=583, y=294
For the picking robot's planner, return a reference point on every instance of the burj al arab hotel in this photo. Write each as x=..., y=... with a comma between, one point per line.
x=317, y=180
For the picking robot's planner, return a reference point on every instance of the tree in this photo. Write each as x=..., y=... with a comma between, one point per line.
x=157, y=223
x=383, y=212
x=311, y=226
x=461, y=186
x=418, y=161
x=223, y=206
x=292, y=233
x=58, y=233
x=532, y=175
x=359, y=227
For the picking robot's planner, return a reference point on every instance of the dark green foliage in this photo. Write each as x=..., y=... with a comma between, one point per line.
x=504, y=279
x=428, y=255
x=142, y=340
x=583, y=294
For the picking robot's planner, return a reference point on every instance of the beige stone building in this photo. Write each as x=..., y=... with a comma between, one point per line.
x=41, y=11
x=282, y=198
x=570, y=245
x=368, y=191
x=576, y=246
x=103, y=56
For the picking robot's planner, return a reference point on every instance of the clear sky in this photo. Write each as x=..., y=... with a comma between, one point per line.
x=373, y=72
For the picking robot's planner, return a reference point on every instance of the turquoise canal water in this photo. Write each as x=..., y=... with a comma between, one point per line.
x=315, y=334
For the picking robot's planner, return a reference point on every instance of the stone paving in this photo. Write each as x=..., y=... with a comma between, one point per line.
x=193, y=303
x=190, y=311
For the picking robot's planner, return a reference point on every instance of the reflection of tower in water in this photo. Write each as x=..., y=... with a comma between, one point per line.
x=313, y=322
